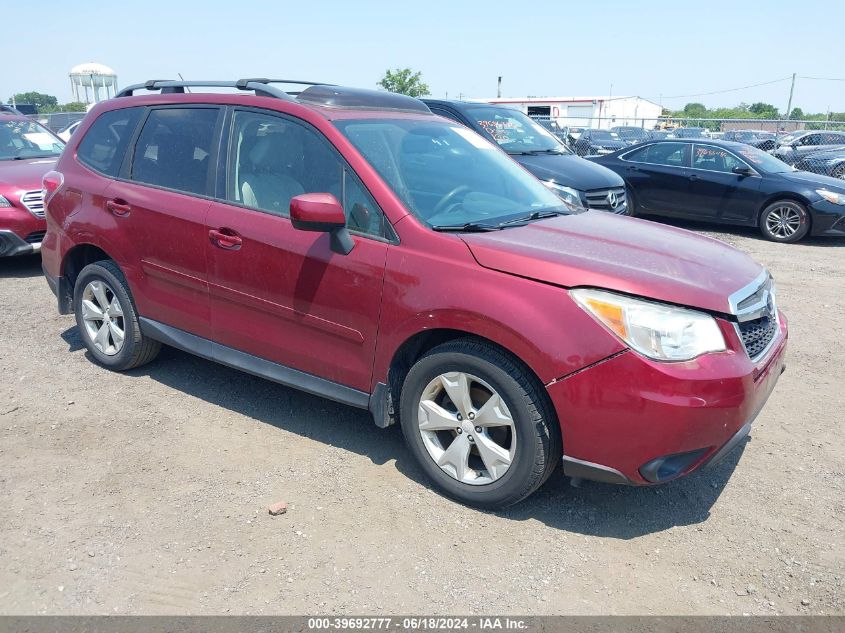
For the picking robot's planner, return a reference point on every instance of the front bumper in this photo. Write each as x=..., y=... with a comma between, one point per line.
x=630, y=420
x=12, y=244
x=828, y=219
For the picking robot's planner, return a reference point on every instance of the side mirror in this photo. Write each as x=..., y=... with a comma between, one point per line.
x=322, y=213
x=743, y=170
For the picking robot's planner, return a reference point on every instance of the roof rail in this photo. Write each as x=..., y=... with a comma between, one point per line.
x=260, y=86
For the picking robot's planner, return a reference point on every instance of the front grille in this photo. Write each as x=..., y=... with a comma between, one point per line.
x=600, y=199
x=757, y=334
x=36, y=238
x=34, y=201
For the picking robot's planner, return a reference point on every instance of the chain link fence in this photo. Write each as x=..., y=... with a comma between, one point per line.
x=815, y=146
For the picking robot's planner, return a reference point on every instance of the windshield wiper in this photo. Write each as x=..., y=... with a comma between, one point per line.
x=536, y=215
x=468, y=227
x=533, y=152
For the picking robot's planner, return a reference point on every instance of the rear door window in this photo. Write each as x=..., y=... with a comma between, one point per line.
x=104, y=145
x=174, y=149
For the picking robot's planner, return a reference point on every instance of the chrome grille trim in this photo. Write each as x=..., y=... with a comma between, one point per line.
x=754, y=306
x=598, y=199
x=34, y=202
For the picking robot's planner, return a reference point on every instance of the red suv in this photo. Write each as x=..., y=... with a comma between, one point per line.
x=28, y=150
x=351, y=244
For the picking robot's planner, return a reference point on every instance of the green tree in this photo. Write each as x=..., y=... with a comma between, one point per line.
x=695, y=110
x=38, y=99
x=796, y=114
x=404, y=81
x=73, y=106
x=764, y=110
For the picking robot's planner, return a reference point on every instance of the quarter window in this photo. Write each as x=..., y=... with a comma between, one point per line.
x=668, y=154
x=714, y=159
x=273, y=159
x=174, y=148
x=105, y=142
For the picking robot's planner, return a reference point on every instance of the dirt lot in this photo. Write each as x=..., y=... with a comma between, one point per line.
x=147, y=493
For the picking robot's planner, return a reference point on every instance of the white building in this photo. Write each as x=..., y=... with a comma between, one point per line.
x=597, y=112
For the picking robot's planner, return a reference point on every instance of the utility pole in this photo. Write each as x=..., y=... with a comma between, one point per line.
x=499, y=88
x=789, y=103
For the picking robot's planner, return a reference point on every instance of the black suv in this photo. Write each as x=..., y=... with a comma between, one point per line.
x=541, y=152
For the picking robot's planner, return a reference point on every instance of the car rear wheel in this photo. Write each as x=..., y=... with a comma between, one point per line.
x=784, y=221
x=479, y=424
x=107, y=320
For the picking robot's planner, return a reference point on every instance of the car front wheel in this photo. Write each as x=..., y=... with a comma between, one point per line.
x=479, y=424
x=784, y=221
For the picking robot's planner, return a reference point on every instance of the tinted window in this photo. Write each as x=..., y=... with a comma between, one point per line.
x=174, y=147
x=714, y=159
x=103, y=146
x=274, y=159
x=671, y=154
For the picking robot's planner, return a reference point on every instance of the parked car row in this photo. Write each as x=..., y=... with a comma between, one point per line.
x=375, y=250
x=730, y=183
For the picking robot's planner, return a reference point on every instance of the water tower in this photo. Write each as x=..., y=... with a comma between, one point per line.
x=91, y=83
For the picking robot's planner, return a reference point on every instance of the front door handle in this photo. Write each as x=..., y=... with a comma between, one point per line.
x=118, y=207
x=693, y=177
x=225, y=239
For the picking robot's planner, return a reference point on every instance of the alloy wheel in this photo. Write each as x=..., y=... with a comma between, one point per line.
x=783, y=221
x=102, y=316
x=466, y=428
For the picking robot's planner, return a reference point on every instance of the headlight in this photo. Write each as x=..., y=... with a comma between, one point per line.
x=830, y=196
x=4, y=203
x=569, y=195
x=656, y=330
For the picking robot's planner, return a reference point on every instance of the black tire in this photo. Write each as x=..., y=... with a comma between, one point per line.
x=839, y=172
x=779, y=208
x=632, y=201
x=137, y=349
x=538, y=440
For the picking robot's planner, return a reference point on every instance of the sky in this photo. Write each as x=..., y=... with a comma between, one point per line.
x=669, y=53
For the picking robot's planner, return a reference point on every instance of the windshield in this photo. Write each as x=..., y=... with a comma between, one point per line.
x=792, y=137
x=27, y=139
x=514, y=131
x=603, y=135
x=763, y=160
x=446, y=174
x=631, y=133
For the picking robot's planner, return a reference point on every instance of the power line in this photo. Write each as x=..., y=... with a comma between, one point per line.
x=824, y=78
x=718, y=92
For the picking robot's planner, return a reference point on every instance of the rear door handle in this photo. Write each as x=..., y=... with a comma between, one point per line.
x=693, y=177
x=118, y=207
x=225, y=239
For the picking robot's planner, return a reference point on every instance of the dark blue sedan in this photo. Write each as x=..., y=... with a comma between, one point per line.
x=731, y=183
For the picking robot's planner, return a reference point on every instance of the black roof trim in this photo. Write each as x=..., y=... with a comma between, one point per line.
x=316, y=93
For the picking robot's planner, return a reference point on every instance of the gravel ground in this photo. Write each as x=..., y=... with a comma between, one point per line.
x=147, y=492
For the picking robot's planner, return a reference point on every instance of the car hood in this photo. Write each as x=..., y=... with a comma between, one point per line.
x=810, y=179
x=570, y=171
x=625, y=254
x=25, y=175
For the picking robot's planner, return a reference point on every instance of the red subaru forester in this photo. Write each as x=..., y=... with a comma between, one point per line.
x=351, y=244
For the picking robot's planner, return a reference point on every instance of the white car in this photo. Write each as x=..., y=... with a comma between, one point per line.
x=66, y=133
